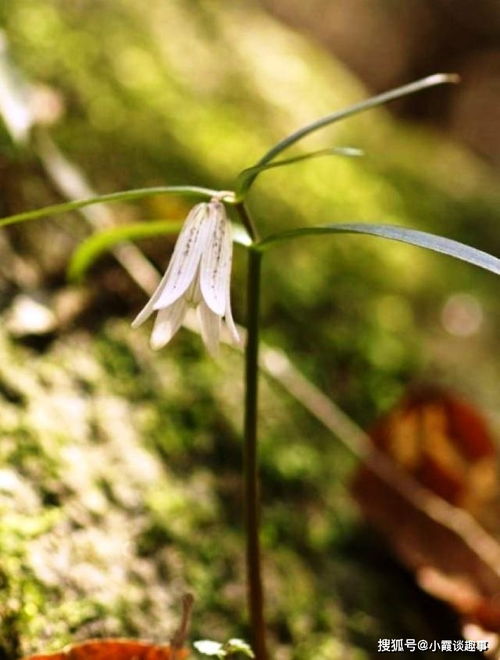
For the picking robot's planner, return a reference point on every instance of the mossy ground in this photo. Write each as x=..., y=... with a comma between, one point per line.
x=121, y=489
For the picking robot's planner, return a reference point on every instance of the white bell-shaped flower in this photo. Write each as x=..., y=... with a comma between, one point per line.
x=198, y=275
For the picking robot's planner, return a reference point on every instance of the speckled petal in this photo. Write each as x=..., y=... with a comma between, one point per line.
x=192, y=242
x=215, y=272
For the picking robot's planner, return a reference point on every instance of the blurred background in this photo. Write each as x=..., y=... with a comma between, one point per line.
x=119, y=472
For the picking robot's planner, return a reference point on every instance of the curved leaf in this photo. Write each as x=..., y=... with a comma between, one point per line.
x=395, y=233
x=248, y=176
x=379, y=99
x=140, y=193
x=93, y=247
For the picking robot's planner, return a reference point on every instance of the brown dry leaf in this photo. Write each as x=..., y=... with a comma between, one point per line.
x=128, y=649
x=114, y=649
x=444, y=444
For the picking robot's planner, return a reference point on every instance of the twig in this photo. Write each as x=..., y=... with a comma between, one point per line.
x=178, y=640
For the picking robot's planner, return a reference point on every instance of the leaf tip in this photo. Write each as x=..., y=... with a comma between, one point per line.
x=440, y=78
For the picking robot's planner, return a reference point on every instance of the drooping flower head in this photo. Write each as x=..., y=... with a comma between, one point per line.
x=198, y=275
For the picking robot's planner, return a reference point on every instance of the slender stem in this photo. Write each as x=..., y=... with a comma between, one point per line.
x=252, y=510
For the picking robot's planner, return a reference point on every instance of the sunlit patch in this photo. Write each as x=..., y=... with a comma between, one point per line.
x=462, y=315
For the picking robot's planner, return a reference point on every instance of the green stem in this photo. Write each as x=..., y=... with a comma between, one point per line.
x=252, y=510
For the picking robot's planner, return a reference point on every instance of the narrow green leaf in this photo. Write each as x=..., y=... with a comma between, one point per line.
x=393, y=232
x=93, y=247
x=379, y=99
x=248, y=176
x=126, y=195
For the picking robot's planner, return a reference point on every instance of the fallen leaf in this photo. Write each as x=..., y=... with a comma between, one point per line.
x=114, y=649
x=444, y=444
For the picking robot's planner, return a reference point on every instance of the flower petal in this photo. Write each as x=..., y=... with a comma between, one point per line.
x=167, y=323
x=188, y=248
x=215, y=273
x=230, y=321
x=210, y=327
x=149, y=307
x=193, y=292
x=192, y=242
